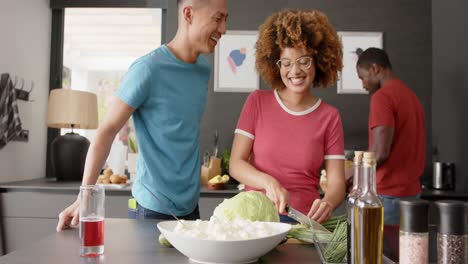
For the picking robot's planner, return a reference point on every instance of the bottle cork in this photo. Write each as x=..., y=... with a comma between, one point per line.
x=369, y=155
x=358, y=156
x=369, y=159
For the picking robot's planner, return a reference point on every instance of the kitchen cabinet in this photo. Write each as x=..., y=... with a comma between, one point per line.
x=29, y=209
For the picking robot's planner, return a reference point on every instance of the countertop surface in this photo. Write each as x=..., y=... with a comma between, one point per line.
x=53, y=185
x=133, y=241
x=442, y=194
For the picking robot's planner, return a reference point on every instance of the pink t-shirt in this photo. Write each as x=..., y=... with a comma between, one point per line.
x=291, y=146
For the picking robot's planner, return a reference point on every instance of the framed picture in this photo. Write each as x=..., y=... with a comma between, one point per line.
x=354, y=43
x=235, y=62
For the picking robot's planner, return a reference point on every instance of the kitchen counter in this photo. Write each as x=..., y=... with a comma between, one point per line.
x=431, y=194
x=132, y=241
x=29, y=209
x=51, y=184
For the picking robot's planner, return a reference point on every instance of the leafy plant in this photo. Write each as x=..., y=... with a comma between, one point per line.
x=132, y=146
x=225, y=161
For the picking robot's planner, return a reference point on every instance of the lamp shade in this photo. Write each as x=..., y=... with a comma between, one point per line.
x=69, y=108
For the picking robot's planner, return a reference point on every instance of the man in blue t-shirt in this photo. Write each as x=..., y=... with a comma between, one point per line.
x=165, y=91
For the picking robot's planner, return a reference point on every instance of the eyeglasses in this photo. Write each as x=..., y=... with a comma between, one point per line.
x=303, y=63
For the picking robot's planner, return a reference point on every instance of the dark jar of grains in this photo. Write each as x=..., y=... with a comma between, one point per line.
x=452, y=236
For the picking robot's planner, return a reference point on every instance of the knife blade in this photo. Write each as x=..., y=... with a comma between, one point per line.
x=165, y=207
x=305, y=220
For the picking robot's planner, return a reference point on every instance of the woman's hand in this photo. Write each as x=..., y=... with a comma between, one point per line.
x=277, y=195
x=320, y=210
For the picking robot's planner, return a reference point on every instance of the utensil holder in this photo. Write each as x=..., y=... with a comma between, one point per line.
x=213, y=169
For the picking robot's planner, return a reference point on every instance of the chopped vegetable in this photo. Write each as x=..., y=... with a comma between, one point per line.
x=333, y=221
x=306, y=234
x=334, y=244
x=335, y=250
x=163, y=241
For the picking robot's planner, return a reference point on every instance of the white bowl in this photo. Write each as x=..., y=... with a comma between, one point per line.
x=217, y=251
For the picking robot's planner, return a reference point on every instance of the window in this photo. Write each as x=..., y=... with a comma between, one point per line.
x=93, y=44
x=99, y=46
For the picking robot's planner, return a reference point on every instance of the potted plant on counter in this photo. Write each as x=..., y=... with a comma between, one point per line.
x=132, y=157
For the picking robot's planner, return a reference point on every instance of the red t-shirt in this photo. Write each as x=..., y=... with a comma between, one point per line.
x=291, y=146
x=396, y=106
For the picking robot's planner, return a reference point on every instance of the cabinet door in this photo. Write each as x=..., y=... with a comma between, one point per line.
x=28, y=216
x=22, y=232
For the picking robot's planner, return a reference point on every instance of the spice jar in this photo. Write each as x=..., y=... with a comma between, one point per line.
x=414, y=232
x=452, y=236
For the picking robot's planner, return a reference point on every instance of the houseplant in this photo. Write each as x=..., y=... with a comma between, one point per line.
x=132, y=157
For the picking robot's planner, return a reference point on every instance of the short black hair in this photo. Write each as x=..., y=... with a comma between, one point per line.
x=374, y=55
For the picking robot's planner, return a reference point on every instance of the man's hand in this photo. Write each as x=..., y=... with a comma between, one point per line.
x=69, y=217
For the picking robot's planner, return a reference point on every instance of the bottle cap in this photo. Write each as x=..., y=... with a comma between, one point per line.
x=358, y=153
x=369, y=155
x=414, y=215
x=358, y=157
x=369, y=159
x=453, y=217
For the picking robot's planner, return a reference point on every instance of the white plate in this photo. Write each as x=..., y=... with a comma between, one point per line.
x=115, y=186
x=215, y=251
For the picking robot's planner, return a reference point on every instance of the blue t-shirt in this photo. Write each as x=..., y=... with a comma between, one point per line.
x=169, y=98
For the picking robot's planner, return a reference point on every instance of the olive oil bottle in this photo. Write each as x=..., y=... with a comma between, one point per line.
x=352, y=196
x=368, y=217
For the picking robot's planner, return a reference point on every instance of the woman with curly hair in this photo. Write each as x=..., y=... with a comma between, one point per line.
x=283, y=135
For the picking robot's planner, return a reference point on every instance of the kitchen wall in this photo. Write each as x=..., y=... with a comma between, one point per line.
x=408, y=30
x=25, y=27
x=407, y=38
x=450, y=85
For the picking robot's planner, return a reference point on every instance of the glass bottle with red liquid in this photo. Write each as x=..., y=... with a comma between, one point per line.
x=92, y=220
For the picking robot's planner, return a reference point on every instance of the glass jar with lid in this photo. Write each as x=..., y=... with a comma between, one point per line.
x=452, y=235
x=414, y=232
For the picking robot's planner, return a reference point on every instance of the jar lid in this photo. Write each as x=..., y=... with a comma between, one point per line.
x=414, y=215
x=453, y=217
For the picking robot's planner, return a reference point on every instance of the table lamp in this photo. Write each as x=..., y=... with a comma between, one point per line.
x=70, y=109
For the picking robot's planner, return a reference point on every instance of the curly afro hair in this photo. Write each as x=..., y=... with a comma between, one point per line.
x=299, y=29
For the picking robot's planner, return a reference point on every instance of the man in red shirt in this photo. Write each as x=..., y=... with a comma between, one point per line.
x=396, y=132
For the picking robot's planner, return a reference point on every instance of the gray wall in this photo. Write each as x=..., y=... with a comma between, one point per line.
x=25, y=27
x=407, y=38
x=450, y=85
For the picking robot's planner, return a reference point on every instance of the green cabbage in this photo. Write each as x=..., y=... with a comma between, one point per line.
x=251, y=205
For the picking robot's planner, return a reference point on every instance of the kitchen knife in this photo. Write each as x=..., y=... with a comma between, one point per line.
x=165, y=207
x=305, y=220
